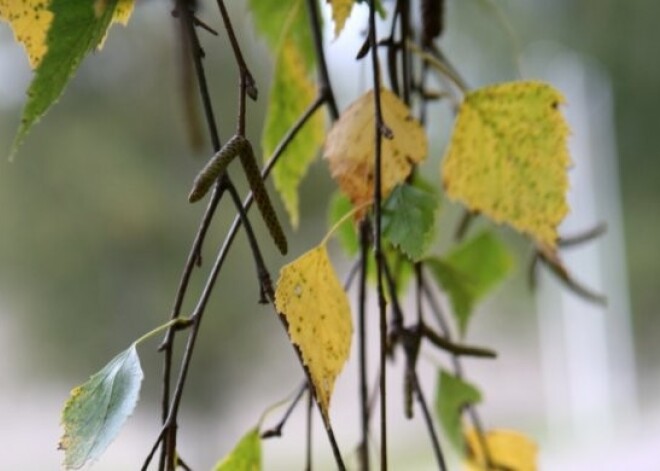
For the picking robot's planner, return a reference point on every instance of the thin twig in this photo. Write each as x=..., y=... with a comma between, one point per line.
x=379, y=127
x=362, y=345
x=277, y=430
x=325, y=87
x=435, y=441
x=310, y=409
x=471, y=410
x=586, y=236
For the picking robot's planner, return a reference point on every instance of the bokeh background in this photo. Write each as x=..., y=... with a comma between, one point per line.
x=96, y=228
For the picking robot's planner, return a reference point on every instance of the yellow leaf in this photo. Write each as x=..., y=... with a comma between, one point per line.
x=341, y=10
x=508, y=450
x=508, y=157
x=312, y=300
x=350, y=147
x=31, y=19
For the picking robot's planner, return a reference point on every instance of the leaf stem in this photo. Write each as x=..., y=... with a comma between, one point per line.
x=178, y=322
x=343, y=219
x=440, y=65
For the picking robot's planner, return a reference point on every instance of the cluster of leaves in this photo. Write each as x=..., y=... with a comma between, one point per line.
x=506, y=160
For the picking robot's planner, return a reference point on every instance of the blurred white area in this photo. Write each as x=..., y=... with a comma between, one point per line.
x=588, y=364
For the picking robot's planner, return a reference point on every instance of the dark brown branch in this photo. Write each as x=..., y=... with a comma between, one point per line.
x=379, y=127
x=365, y=235
x=325, y=87
x=455, y=348
x=428, y=420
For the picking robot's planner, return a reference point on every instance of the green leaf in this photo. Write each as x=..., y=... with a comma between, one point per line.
x=285, y=26
x=409, y=219
x=452, y=395
x=346, y=233
x=97, y=409
x=246, y=456
x=76, y=29
x=469, y=271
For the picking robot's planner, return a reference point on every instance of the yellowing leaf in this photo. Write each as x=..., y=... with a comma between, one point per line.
x=350, y=147
x=291, y=93
x=312, y=300
x=246, y=456
x=31, y=20
x=508, y=158
x=341, y=10
x=57, y=34
x=508, y=449
x=284, y=24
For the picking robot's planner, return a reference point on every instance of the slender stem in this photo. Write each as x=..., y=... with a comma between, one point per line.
x=405, y=53
x=310, y=408
x=458, y=369
x=247, y=80
x=438, y=62
x=582, y=237
x=379, y=127
x=177, y=323
x=362, y=344
x=277, y=430
x=325, y=87
x=265, y=283
x=421, y=400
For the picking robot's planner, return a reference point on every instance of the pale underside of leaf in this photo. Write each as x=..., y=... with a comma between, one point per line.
x=97, y=409
x=312, y=300
x=350, y=147
x=508, y=157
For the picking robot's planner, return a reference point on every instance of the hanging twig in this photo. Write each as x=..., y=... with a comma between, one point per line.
x=277, y=430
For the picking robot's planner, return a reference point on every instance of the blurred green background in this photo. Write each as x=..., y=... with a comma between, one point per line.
x=96, y=225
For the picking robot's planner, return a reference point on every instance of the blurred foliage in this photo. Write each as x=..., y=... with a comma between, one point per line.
x=95, y=222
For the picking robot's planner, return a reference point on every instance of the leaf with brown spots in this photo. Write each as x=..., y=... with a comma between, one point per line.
x=312, y=300
x=350, y=147
x=508, y=157
x=57, y=34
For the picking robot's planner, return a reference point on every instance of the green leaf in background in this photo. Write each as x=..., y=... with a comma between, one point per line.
x=346, y=233
x=97, y=409
x=469, y=271
x=246, y=456
x=285, y=27
x=409, y=219
x=72, y=29
x=452, y=395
